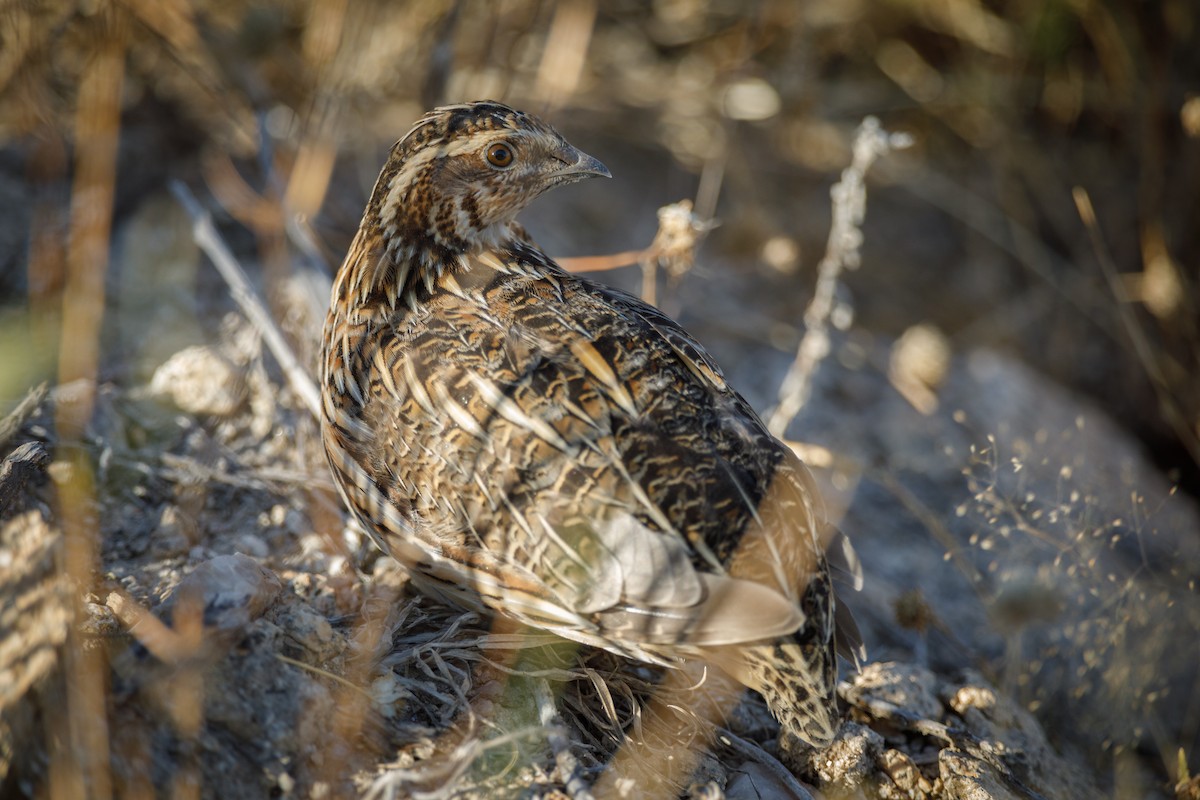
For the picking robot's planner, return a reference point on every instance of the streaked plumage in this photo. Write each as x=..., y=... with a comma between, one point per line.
x=556, y=450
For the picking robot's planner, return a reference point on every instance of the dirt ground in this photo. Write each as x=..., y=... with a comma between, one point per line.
x=1006, y=424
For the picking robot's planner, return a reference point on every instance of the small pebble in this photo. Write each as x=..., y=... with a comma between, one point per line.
x=199, y=380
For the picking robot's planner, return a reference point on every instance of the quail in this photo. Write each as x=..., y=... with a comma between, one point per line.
x=531, y=443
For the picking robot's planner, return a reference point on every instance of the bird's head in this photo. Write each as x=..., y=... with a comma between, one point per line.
x=455, y=181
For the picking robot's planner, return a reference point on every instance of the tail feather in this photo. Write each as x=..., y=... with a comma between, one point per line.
x=847, y=636
x=799, y=685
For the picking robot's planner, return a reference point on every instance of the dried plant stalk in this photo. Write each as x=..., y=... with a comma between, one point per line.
x=842, y=251
x=241, y=291
x=80, y=754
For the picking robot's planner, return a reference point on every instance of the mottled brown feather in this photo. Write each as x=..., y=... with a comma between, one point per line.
x=528, y=441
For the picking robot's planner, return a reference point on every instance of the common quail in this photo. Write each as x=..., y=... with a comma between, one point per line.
x=530, y=442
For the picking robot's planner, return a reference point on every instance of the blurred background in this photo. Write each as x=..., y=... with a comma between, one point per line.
x=1011, y=407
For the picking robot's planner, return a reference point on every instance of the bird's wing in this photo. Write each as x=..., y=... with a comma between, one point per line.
x=840, y=556
x=574, y=449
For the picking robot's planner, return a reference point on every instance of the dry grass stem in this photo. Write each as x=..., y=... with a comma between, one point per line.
x=627, y=258
x=80, y=756
x=842, y=251
x=243, y=293
x=680, y=231
x=165, y=644
x=1175, y=415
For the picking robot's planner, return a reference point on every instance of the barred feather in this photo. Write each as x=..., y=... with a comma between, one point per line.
x=534, y=443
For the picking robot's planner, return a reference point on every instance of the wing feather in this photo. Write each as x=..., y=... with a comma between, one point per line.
x=623, y=492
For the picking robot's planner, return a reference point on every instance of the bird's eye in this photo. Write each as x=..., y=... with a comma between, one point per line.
x=500, y=155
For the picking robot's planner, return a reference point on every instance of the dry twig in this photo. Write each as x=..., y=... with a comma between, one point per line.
x=16, y=418
x=243, y=293
x=680, y=231
x=842, y=251
x=1174, y=415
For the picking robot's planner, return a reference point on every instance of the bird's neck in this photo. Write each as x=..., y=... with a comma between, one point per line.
x=397, y=267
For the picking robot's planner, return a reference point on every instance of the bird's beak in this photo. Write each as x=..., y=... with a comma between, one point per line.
x=578, y=165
